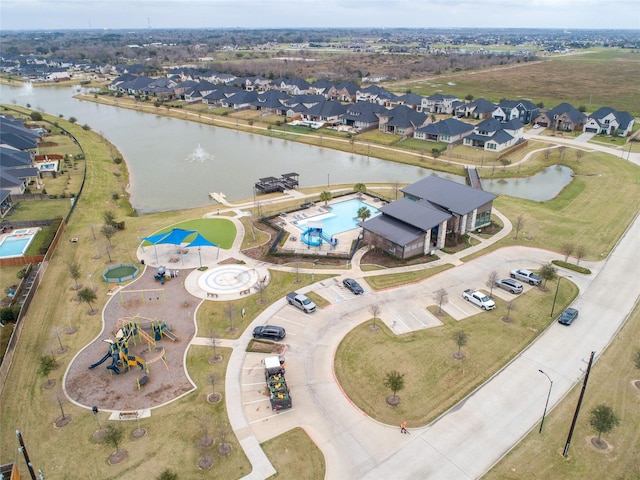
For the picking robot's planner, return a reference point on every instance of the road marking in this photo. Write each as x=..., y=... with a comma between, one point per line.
x=271, y=416
x=266, y=399
x=251, y=384
x=290, y=321
x=400, y=319
x=419, y=321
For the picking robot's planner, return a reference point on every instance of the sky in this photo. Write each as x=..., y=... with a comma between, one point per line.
x=136, y=14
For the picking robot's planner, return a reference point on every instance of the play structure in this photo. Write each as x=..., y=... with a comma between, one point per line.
x=131, y=332
x=163, y=274
x=120, y=273
x=313, y=235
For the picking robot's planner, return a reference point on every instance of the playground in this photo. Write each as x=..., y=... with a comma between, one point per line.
x=147, y=328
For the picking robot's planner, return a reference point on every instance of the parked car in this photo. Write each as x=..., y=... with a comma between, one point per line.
x=509, y=285
x=525, y=276
x=354, y=286
x=271, y=332
x=568, y=316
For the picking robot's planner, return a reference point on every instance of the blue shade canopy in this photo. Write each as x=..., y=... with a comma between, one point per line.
x=200, y=241
x=174, y=237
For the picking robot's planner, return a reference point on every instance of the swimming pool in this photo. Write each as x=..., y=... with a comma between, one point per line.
x=16, y=244
x=341, y=218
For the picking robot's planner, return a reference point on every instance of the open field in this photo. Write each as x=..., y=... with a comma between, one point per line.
x=577, y=79
x=540, y=455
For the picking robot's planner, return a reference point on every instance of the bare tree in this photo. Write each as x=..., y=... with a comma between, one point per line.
x=261, y=286
x=74, y=273
x=518, y=225
x=108, y=231
x=204, y=423
x=567, y=249
x=297, y=267
x=375, y=311
x=580, y=253
x=224, y=430
x=229, y=312
x=491, y=282
x=213, y=338
x=579, y=155
x=510, y=308
x=441, y=297
x=562, y=151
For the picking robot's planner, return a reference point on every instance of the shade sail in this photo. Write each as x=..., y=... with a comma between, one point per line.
x=200, y=241
x=174, y=237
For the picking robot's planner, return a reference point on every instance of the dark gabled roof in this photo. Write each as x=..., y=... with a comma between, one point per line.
x=500, y=137
x=403, y=117
x=307, y=100
x=22, y=172
x=242, y=97
x=453, y=197
x=270, y=99
x=326, y=108
x=575, y=115
x=4, y=194
x=9, y=180
x=450, y=126
x=298, y=82
x=323, y=84
x=10, y=157
x=410, y=99
x=348, y=86
x=223, y=91
x=481, y=106
x=365, y=112
x=21, y=142
x=439, y=97
x=394, y=230
x=511, y=104
x=513, y=124
x=419, y=213
x=138, y=83
x=489, y=125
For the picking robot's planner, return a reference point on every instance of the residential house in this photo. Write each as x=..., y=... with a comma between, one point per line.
x=241, y=100
x=293, y=86
x=328, y=112
x=375, y=94
x=13, y=133
x=524, y=110
x=450, y=130
x=493, y=135
x=478, y=109
x=608, y=121
x=11, y=183
x=401, y=120
x=432, y=207
x=564, y=117
x=321, y=87
x=412, y=100
x=271, y=101
x=439, y=104
x=6, y=202
x=363, y=115
x=345, y=92
x=221, y=93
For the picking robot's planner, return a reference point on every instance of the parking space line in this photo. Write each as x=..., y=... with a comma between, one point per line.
x=419, y=321
x=271, y=416
x=256, y=401
x=400, y=319
x=459, y=309
x=251, y=384
x=289, y=321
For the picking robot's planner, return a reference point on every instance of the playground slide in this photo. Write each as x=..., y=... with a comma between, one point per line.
x=101, y=361
x=114, y=365
x=169, y=334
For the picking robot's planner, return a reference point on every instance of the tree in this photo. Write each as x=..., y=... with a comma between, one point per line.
x=510, y=308
x=108, y=231
x=505, y=161
x=363, y=213
x=375, y=311
x=168, y=474
x=548, y=272
x=491, y=282
x=579, y=155
x=580, y=253
x=109, y=217
x=636, y=359
x=603, y=419
x=35, y=116
x=519, y=224
x=74, y=273
x=229, y=312
x=567, y=249
x=73, y=119
x=114, y=435
x=441, y=297
x=325, y=197
x=461, y=338
x=89, y=296
x=46, y=365
x=394, y=380
x=360, y=188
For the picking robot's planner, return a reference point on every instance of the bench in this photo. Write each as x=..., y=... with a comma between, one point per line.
x=141, y=383
x=245, y=292
x=128, y=415
x=212, y=295
x=114, y=288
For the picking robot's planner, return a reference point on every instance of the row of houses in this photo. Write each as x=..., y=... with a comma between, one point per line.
x=20, y=168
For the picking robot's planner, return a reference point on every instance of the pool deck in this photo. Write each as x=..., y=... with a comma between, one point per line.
x=18, y=233
x=294, y=243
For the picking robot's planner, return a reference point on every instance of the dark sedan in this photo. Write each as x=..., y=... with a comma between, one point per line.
x=352, y=285
x=568, y=316
x=270, y=332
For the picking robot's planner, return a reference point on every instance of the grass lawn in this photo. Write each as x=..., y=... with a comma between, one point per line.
x=610, y=382
x=39, y=209
x=434, y=379
x=220, y=231
x=295, y=456
x=381, y=282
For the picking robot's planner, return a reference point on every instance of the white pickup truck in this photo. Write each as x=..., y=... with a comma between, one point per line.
x=301, y=301
x=479, y=298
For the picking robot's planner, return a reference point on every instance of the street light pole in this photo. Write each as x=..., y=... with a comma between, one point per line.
x=555, y=297
x=547, y=402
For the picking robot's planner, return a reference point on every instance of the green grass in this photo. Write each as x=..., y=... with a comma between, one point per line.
x=39, y=209
x=365, y=356
x=381, y=282
x=220, y=230
x=294, y=455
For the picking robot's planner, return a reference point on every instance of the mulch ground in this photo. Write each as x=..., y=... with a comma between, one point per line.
x=101, y=387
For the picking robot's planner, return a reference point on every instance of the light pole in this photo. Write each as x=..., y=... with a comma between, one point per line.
x=547, y=402
x=90, y=282
x=555, y=297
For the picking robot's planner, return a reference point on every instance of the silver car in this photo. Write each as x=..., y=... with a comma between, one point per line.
x=510, y=285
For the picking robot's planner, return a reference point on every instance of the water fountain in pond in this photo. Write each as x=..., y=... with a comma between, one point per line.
x=199, y=155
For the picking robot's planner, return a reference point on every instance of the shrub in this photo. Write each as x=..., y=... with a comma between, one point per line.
x=9, y=314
